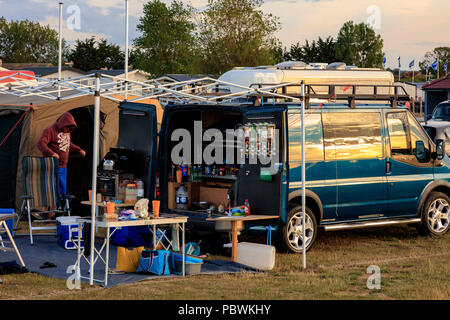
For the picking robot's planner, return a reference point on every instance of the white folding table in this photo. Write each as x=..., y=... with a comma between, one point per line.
x=164, y=219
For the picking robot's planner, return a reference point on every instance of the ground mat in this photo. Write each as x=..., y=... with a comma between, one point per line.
x=47, y=258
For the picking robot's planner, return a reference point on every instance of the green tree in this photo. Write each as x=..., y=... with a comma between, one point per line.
x=441, y=53
x=237, y=33
x=91, y=54
x=28, y=42
x=167, y=43
x=358, y=44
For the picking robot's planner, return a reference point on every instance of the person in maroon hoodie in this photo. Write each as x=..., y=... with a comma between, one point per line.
x=55, y=142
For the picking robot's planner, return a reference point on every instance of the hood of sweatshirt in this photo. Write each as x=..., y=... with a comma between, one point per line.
x=66, y=120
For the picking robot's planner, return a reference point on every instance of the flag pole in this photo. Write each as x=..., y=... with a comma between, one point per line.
x=60, y=47
x=126, y=49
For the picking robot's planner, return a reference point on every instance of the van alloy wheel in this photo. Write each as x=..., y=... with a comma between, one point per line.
x=293, y=230
x=435, y=215
x=438, y=215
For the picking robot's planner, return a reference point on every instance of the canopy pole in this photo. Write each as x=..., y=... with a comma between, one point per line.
x=60, y=47
x=94, y=173
x=126, y=49
x=303, y=178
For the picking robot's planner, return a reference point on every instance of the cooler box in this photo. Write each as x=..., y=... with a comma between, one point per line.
x=134, y=237
x=9, y=222
x=67, y=232
x=192, y=265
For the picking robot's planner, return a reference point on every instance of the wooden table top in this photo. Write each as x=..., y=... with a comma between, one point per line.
x=242, y=218
x=100, y=204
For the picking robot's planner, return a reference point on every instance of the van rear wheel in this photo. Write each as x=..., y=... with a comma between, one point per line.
x=436, y=215
x=292, y=232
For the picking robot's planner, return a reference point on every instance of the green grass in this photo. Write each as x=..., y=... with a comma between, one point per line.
x=412, y=267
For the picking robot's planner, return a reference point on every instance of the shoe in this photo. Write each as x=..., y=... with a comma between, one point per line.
x=37, y=215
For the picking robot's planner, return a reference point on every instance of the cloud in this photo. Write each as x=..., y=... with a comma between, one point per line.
x=68, y=34
x=403, y=22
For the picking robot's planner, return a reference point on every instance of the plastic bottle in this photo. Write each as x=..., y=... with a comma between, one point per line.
x=131, y=193
x=246, y=207
x=140, y=189
x=181, y=198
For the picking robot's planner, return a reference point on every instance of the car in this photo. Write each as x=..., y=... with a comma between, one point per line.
x=438, y=126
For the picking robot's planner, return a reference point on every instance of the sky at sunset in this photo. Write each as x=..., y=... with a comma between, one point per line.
x=409, y=28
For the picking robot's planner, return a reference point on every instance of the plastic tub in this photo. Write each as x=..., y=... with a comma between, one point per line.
x=192, y=265
x=258, y=256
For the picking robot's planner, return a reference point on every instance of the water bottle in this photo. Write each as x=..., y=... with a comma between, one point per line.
x=181, y=198
x=140, y=189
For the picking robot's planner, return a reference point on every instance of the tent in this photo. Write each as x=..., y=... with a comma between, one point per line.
x=23, y=140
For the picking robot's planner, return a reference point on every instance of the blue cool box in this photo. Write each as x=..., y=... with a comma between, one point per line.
x=9, y=222
x=67, y=232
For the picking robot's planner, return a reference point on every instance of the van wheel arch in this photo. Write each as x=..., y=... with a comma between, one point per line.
x=312, y=202
x=436, y=186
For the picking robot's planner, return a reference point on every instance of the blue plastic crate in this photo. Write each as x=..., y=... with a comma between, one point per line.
x=9, y=222
x=67, y=232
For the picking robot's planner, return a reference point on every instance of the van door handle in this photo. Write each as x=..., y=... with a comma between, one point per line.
x=388, y=167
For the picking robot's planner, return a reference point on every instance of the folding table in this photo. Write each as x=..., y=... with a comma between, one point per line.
x=3, y=225
x=164, y=219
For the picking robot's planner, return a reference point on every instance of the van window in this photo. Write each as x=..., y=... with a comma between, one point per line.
x=313, y=136
x=404, y=132
x=352, y=135
x=417, y=134
x=398, y=133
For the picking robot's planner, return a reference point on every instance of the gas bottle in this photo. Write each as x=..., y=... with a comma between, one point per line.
x=181, y=198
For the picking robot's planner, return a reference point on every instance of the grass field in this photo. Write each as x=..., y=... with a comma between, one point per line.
x=412, y=267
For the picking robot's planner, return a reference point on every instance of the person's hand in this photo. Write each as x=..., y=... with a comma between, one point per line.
x=55, y=155
x=82, y=152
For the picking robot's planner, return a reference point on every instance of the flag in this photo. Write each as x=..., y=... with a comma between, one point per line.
x=435, y=65
x=445, y=67
x=384, y=62
x=399, y=64
x=428, y=67
x=411, y=64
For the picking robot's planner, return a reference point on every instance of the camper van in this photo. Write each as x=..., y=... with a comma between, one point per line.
x=367, y=164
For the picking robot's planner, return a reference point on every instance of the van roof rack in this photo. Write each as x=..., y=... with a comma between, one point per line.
x=350, y=93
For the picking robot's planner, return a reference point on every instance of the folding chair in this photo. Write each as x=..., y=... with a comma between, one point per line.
x=41, y=189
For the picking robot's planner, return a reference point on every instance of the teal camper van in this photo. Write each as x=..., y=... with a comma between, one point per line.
x=368, y=162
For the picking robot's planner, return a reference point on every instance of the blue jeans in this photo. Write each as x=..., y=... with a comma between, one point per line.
x=62, y=181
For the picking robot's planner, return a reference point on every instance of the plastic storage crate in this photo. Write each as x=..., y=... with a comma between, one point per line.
x=67, y=232
x=9, y=222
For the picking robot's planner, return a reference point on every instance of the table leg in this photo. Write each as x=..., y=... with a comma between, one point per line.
x=13, y=243
x=80, y=230
x=154, y=237
x=182, y=248
x=107, y=257
x=234, y=241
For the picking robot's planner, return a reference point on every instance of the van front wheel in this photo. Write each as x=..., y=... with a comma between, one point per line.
x=436, y=215
x=292, y=232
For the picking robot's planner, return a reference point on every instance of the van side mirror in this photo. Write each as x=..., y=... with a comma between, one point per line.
x=421, y=153
x=440, y=149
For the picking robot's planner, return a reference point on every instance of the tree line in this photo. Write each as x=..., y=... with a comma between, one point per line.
x=177, y=38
